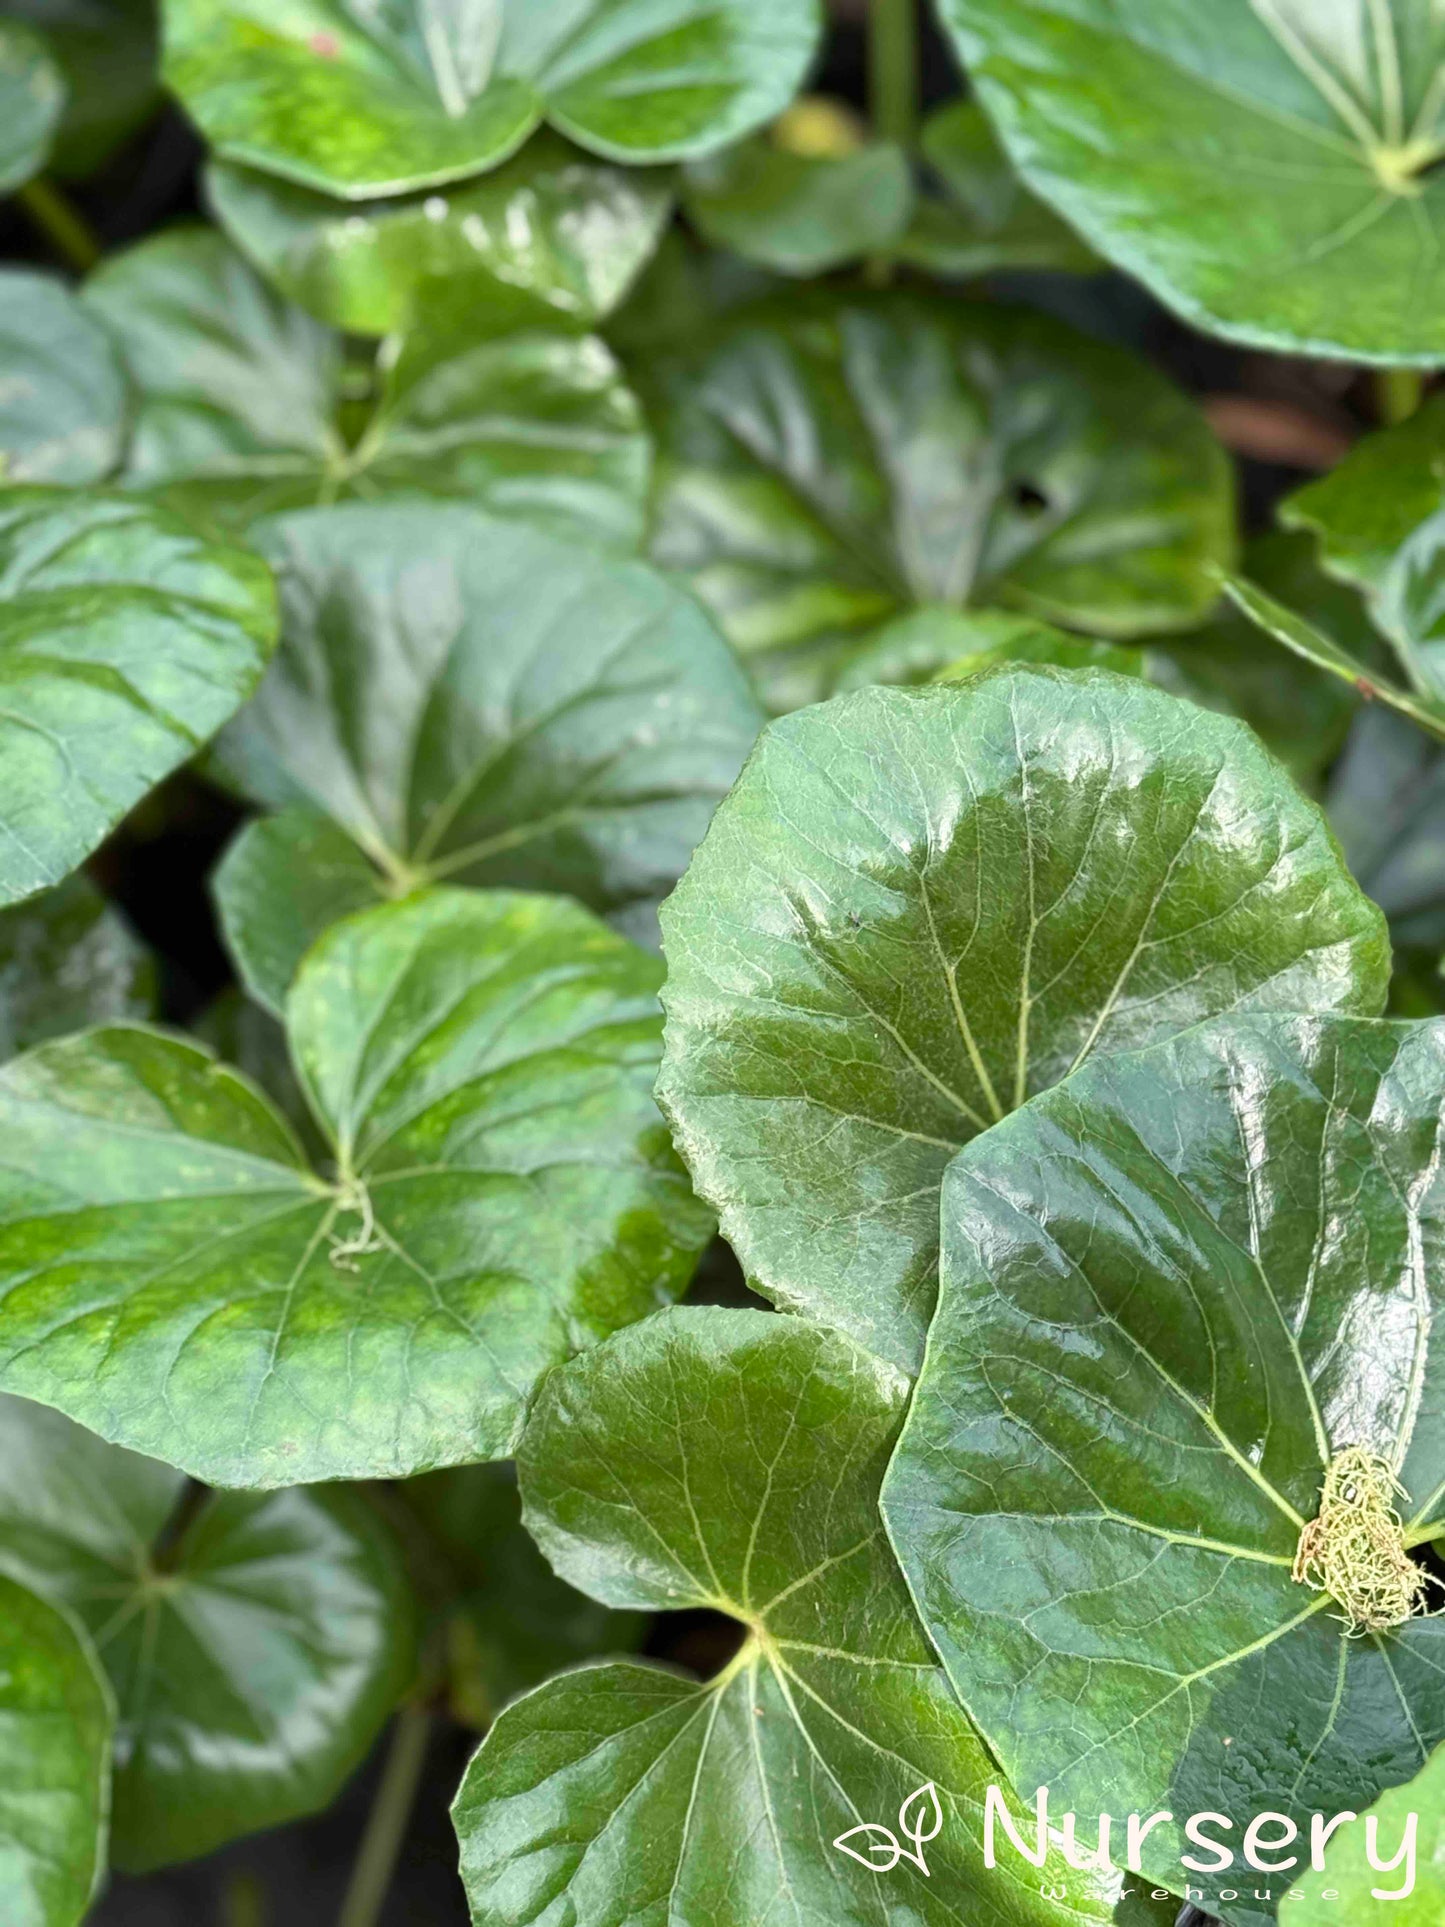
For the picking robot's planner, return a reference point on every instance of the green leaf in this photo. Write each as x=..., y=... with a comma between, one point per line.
x=244, y=405
x=829, y=464
x=985, y=221
x=256, y=1643
x=1173, y=1290
x=800, y=214
x=32, y=98
x=945, y=645
x=1387, y=806
x=253, y=1041
x=627, y=1792
x=68, y=959
x=360, y=102
x=175, y=1277
x=471, y=701
x=1360, y=1891
x=107, y=53
x=125, y=642
x=920, y=906
x=1268, y=170
x=54, y=1765
x=510, y=1622
x=62, y=399
x=571, y=231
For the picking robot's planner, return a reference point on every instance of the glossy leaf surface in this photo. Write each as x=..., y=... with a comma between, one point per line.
x=1266, y=167
x=571, y=231
x=68, y=959
x=920, y=906
x=56, y=1717
x=472, y=701
x=107, y=53
x=626, y=1792
x=361, y=101
x=1173, y=1290
x=62, y=395
x=174, y=1276
x=32, y=96
x=944, y=645
x=125, y=642
x=242, y=405
x=800, y=214
x=830, y=464
x=254, y=1658
x=1361, y=1892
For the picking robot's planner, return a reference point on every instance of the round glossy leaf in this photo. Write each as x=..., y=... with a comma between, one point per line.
x=1265, y=166
x=830, y=464
x=67, y=959
x=175, y=1277
x=800, y=214
x=920, y=906
x=125, y=642
x=107, y=54
x=472, y=701
x=62, y=394
x=32, y=96
x=945, y=645
x=244, y=405
x=254, y=1658
x=732, y=1460
x=55, y=1714
x=570, y=231
x=1173, y=1290
x=1359, y=1890
x=357, y=101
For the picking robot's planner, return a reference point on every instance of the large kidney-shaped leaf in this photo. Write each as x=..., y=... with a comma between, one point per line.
x=732, y=1460
x=245, y=405
x=1267, y=167
x=62, y=394
x=828, y=465
x=569, y=231
x=359, y=100
x=67, y=959
x=1349, y=1886
x=125, y=642
x=472, y=701
x=56, y=1719
x=107, y=53
x=920, y=906
x=1173, y=1290
x=32, y=97
x=174, y=1276
x=256, y=1643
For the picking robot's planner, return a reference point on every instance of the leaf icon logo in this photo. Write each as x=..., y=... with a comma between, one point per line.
x=880, y=1843
x=920, y=1819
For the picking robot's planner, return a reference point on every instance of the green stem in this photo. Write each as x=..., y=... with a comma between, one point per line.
x=893, y=69
x=61, y=222
x=386, y=1825
x=1397, y=393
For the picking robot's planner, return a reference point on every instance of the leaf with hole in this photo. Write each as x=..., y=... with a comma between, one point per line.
x=125, y=642
x=614, y=1790
x=247, y=406
x=832, y=463
x=62, y=394
x=500, y=1192
x=67, y=959
x=256, y=1643
x=361, y=101
x=920, y=906
x=32, y=99
x=1269, y=168
x=1175, y=1290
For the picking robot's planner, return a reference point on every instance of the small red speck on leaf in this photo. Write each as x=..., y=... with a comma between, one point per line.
x=1367, y=690
x=326, y=45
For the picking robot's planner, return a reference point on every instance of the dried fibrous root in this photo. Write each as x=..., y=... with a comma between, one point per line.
x=353, y=1196
x=1355, y=1549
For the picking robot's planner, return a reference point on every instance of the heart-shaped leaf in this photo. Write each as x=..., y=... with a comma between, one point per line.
x=1387, y=806
x=920, y=906
x=570, y=231
x=68, y=959
x=613, y=1786
x=829, y=465
x=1266, y=167
x=360, y=101
x=32, y=97
x=125, y=642
x=62, y=399
x=256, y=1643
x=1175, y=1291
x=174, y=1276
x=1351, y=1887
x=472, y=701
x=800, y=214
x=56, y=1715
x=107, y=53
x=244, y=405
